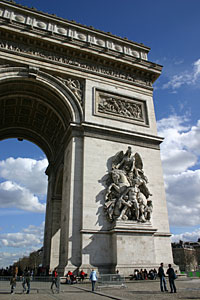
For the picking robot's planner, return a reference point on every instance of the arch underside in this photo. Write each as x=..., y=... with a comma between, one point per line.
x=29, y=110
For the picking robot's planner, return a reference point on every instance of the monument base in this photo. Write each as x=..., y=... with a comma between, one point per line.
x=133, y=242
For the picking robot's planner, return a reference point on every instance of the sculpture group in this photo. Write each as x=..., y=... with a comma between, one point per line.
x=127, y=194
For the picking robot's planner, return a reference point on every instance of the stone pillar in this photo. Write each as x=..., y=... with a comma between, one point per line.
x=55, y=236
x=48, y=221
x=71, y=211
x=52, y=223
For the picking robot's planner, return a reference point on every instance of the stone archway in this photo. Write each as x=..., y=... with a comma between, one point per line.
x=43, y=104
x=40, y=108
x=83, y=96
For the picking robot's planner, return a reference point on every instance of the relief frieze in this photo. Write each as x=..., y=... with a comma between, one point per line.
x=115, y=106
x=78, y=63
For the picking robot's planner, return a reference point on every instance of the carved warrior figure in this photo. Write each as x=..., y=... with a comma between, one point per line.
x=127, y=195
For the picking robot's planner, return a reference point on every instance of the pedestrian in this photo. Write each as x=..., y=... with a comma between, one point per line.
x=172, y=276
x=161, y=274
x=54, y=279
x=13, y=283
x=93, y=278
x=26, y=281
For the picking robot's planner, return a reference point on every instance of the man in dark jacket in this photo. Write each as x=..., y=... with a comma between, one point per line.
x=161, y=274
x=171, y=274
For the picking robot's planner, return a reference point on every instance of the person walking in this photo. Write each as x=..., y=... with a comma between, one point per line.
x=26, y=281
x=13, y=283
x=172, y=276
x=161, y=274
x=54, y=280
x=93, y=278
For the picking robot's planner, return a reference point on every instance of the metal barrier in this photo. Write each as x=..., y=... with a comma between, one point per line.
x=37, y=284
x=110, y=280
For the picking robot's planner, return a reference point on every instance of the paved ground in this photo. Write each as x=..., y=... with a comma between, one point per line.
x=135, y=290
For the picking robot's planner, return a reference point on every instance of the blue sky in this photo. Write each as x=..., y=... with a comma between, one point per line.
x=171, y=29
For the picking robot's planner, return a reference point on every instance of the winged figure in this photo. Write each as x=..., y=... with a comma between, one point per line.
x=127, y=193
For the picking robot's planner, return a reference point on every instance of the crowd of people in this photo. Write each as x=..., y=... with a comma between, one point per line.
x=144, y=274
x=153, y=274
x=71, y=278
x=26, y=279
x=6, y=271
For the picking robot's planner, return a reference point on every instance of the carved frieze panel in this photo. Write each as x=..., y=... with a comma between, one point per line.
x=121, y=107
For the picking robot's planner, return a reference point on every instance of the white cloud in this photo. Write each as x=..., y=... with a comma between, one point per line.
x=25, y=183
x=196, y=69
x=186, y=236
x=191, y=138
x=185, y=78
x=13, y=195
x=179, y=153
x=183, y=197
x=27, y=172
x=28, y=240
x=7, y=258
x=178, y=161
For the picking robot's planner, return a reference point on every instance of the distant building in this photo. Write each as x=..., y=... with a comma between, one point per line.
x=187, y=255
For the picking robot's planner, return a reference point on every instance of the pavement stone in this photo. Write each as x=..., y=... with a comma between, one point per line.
x=134, y=290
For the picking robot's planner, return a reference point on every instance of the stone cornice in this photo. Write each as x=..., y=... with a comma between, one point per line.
x=29, y=22
x=163, y=234
x=51, y=23
x=12, y=44
x=112, y=134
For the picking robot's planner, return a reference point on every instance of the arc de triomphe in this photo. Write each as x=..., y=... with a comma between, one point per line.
x=85, y=97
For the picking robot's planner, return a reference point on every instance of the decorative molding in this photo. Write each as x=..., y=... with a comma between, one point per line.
x=137, y=77
x=115, y=106
x=163, y=234
x=116, y=135
x=33, y=71
x=2, y=66
x=34, y=20
x=75, y=86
